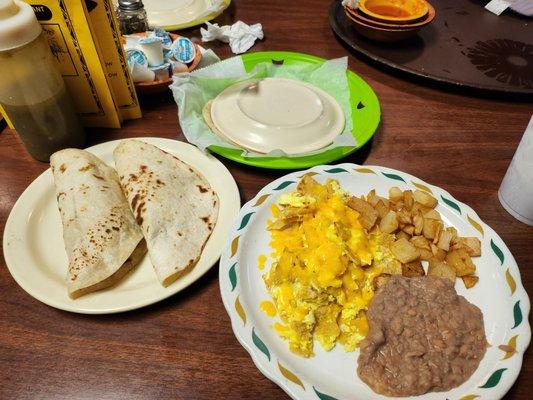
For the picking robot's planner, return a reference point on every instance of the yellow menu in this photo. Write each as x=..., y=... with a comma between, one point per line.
x=67, y=28
x=107, y=33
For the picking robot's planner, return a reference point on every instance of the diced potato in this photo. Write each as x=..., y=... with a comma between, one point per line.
x=367, y=214
x=433, y=214
x=461, y=262
x=409, y=229
x=380, y=281
x=395, y=194
x=441, y=269
x=389, y=266
x=389, y=223
x=439, y=254
x=408, y=200
x=373, y=199
x=396, y=206
x=425, y=255
x=419, y=209
x=418, y=222
x=420, y=242
x=425, y=199
x=453, y=231
x=404, y=250
x=471, y=244
x=402, y=234
x=412, y=269
x=439, y=229
x=431, y=228
x=470, y=280
x=404, y=216
x=381, y=208
x=445, y=239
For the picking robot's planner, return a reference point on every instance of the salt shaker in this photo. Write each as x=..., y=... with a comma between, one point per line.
x=32, y=91
x=516, y=191
x=131, y=16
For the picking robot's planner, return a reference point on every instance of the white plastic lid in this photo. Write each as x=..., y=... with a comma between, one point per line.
x=18, y=24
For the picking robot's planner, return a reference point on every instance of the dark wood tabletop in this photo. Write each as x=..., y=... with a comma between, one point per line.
x=183, y=347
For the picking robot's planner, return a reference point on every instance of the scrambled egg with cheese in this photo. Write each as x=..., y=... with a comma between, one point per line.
x=324, y=264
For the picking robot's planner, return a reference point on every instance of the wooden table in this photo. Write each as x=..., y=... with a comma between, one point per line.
x=183, y=347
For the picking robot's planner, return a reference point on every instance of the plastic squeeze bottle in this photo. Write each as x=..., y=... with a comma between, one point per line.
x=32, y=91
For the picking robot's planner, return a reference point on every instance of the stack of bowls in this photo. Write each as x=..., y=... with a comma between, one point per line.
x=390, y=20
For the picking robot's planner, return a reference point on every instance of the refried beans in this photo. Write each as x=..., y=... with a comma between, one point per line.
x=422, y=337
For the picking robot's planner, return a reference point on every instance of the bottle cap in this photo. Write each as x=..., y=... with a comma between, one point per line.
x=18, y=24
x=130, y=4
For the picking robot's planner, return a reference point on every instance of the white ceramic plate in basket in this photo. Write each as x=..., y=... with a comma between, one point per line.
x=332, y=375
x=36, y=257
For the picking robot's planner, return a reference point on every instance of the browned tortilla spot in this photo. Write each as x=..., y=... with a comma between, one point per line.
x=87, y=167
x=201, y=188
x=160, y=182
x=179, y=233
x=62, y=168
x=134, y=201
x=205, y=219
x=114, y=228
x=143, y=168
x=108, y=230
x=214, y=203
x=98, y=177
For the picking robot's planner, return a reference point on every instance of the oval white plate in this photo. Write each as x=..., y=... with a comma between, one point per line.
x=277, y=114
x=36, y=257
x=332, y=375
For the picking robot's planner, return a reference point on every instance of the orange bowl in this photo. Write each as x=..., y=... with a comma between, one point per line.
x=387, y=35
x=357, y=14
x=158, y=87
x=394, y=11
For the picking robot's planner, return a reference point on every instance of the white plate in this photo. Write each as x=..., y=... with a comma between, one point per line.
x=277, y=114
x=178, y=14
x=332, y=375
x=36, y=257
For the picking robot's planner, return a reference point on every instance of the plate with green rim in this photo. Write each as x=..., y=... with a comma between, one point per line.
x=366, y=114
x=331, y=375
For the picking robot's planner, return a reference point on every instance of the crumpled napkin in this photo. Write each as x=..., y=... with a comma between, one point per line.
x=240, y=36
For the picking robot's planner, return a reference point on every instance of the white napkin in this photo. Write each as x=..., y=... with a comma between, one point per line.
x=240, y=36
x=524, y=7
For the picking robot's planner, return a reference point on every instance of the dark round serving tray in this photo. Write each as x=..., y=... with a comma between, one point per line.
x=465, y=46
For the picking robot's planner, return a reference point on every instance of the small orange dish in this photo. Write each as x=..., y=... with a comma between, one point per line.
x=399, y=11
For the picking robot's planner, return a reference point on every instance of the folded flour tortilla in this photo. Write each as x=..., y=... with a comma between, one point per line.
x=102, y=239
x=175, y=206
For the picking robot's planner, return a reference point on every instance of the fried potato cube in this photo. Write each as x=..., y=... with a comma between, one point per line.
x=402, y=234
x=431, y=228
x=418, y=222
x=445, y=238
x=367, y=214
x=420, y=242
x=441, y=269
x=380, y=281
x=408, y=199
x=472, y=245
x=439, y=254
x=461, y=262
x=425, y=254
x=373, y=199
x=389, y=223
x=453, y=231
x=404, y=216
x=395, y=194
x=419, y=209
x=409, y=229
x=433, y=214
x=396, y=206
x=470, y=280
x=404, y=250
x=412, y=269
x=389, y=266
x=425, y=198
x=381, y=208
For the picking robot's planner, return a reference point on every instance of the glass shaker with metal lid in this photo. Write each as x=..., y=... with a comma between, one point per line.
x=32, y=91
x=131, y=16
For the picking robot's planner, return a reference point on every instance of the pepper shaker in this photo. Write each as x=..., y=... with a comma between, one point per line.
x=131, y=16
